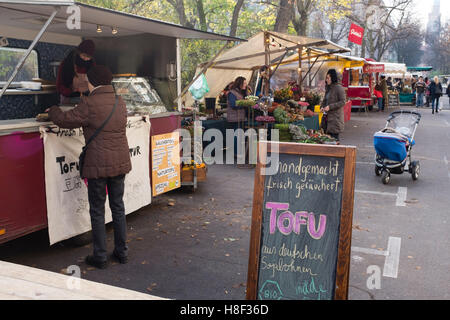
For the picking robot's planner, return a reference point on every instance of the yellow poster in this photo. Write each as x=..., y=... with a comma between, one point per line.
x=165, y=162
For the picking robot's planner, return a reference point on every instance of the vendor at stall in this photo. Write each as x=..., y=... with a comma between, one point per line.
x=239, y=91
x=333, y=105
x=72, y=81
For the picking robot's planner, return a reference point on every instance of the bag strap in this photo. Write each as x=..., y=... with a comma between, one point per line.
x=103, y=125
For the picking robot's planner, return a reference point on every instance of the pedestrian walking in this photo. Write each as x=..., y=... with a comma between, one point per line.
x=333, y=104
x=448, y=92
x=427, y=92
x=420, y=89
x=384, y=90
x=436, y=93
x=378, y=92
x=103, y=116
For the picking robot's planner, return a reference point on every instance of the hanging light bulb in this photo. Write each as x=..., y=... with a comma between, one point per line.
x=114, y=30
x=99, y=28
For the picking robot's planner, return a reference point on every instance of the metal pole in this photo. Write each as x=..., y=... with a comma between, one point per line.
x=25, y=56
x=179, y=74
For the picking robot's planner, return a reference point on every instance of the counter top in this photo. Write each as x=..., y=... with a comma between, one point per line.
x=31, y=125
x=21, y=92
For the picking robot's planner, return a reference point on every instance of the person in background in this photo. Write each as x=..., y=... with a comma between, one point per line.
x=71, y=80
x=389, y=83
x=107, y=160
x=378, y=92
x=333, y=104
x=448, y=92
x=223, y=97
x=427, y=92
x=384, y=90
x=436, y=93
x=420, y=89
x=239, y=91
x=263, y=76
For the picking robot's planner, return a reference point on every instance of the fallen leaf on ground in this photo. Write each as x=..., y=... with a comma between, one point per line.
x=410, y=257
x=151, y=287
x=418, y=268
x=358, y=227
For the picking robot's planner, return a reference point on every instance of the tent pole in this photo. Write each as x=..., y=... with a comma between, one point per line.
x=300, y=80
x=310, y=67
x=178, y=44
x=267, y=62
x=27, y=53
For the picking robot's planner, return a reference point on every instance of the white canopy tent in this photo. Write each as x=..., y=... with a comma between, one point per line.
x=263, y=49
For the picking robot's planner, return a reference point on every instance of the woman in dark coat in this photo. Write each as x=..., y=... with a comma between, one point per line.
x=107, y=160
x=333, y=104
x=239, y=91
x=436, y=93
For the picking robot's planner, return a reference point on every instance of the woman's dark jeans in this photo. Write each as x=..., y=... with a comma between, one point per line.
x=97, y=198
x=380, y=104
x=435, y=104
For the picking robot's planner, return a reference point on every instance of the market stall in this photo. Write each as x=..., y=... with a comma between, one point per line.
x=39, y=31
x=274, y=50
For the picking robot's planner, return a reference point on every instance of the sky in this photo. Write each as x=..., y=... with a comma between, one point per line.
x=423, y=7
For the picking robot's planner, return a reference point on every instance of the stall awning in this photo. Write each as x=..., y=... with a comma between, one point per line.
x=251, y=54
x=246, y=57
x=395, y=70
x=412, y=69
x=21, y=18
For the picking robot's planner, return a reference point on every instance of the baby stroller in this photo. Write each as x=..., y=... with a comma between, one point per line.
x=393, y=146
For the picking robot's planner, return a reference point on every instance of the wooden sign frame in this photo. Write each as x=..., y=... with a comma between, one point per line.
x=345, y=232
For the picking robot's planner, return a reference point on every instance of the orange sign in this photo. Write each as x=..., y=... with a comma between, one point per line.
x=165, y=163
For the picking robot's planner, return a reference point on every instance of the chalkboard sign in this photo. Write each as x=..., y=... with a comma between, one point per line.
x=301, y=223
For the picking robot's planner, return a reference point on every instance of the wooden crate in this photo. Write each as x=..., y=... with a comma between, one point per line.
x=188, y=175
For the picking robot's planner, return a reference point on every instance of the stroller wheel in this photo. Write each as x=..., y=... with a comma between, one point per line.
x=385, y=177
x=378, y=171
x=415, y=170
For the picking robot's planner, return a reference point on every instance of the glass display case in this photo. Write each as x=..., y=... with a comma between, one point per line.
x=138, y=95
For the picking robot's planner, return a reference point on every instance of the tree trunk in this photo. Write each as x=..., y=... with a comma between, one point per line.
x=201, y=15
x=235, y=18
x=179, y=8
x=301, y=18
x=301, y=24
x=284, y=16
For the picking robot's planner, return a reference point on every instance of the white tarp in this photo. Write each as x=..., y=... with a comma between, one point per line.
x=66, y=193
x=244, y=58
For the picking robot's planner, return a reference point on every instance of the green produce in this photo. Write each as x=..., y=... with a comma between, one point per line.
x=245, y=103
x=281, y=115
x=281, y=126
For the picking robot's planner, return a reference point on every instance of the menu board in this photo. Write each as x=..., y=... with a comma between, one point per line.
x=301, y=225
x=165, y=162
